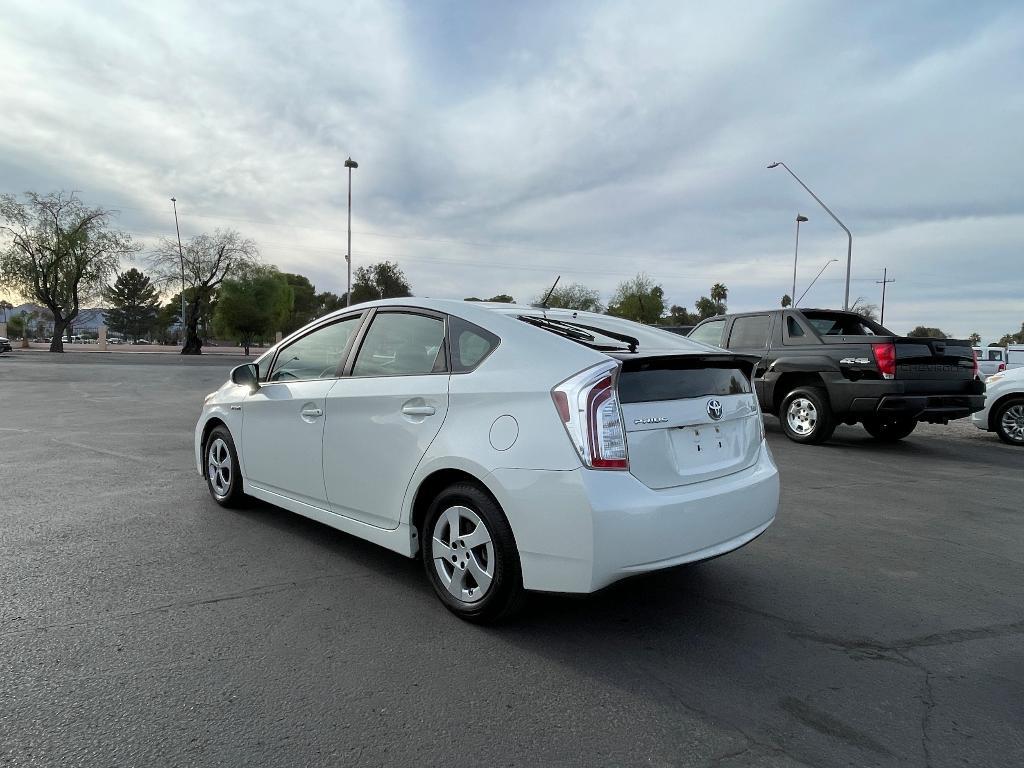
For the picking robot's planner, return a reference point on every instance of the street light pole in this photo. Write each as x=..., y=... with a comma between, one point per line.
x=813, y=281
x=849, y=235
x=350, y=164
x=796, y=250
x=181, y=255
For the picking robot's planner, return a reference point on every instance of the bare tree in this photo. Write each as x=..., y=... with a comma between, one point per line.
x=862, y=308
x=207, y=261
x=59, y=252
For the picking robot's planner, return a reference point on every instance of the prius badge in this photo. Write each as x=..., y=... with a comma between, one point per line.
x=651, y=420
x=715, y=409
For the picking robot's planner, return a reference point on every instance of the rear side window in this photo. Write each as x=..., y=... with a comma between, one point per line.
x=794, y=327
x=401, y=344
x=664, y=381
x=470, y=344
x=749, y=331
x=709, y=333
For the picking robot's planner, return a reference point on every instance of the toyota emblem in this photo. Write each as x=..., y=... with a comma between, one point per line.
x=714, y=409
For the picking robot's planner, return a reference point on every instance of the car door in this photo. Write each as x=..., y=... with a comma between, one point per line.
x=749, y=335
x=383, y=415
x=283, y=420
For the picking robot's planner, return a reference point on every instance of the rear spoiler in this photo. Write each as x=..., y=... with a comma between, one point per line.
x=636, y=362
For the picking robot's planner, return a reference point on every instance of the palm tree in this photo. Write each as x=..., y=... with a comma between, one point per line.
x=719, y=293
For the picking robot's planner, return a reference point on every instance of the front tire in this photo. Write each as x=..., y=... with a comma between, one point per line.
x=220, y=464
x=806, y=416
x=889, y=431
x=1009, y=421
x=470, y=555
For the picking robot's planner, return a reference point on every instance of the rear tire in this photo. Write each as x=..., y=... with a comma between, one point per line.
x=470, y=555
x=890, y=430
x=806, y=416
x=221, y=469
x=1009, y=421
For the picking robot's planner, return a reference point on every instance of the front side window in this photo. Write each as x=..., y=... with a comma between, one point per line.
x=749, y=332
x=316, y=355
x=709, y=333
x=401, y=344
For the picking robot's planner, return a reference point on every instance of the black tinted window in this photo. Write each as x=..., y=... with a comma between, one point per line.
x=672, y=383
x=709, y=333
x=470, y=344
x=400, y=344
x=749, y=331
x=794, y=327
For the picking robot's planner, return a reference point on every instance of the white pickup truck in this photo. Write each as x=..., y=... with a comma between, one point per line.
x=990, y=360
x=1015, y=356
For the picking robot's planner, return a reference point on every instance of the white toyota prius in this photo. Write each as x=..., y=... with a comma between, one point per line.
x=510, y=448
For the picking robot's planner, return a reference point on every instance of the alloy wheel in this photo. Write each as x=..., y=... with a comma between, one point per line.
x=801, y=415
x=1012, y=422
x=463, y=554
x=218, y=467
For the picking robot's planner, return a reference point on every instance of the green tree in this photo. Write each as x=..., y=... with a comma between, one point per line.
x=383, y=280
x=709, y=307
x=678, y=315
x=787, y=300
x=253, y=306
x=304, y=306
x=975, y=339
x=17, y=324
x=58, y=252
x=134, y=304
x=205, y=263
x=328, y=302
x=573, y=296
x=638, y=299
x=502, y=298
x=924, y=332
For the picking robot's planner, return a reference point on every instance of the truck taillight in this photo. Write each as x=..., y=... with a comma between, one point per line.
x=1002, y=367
x=885, y=356
x=588, y=406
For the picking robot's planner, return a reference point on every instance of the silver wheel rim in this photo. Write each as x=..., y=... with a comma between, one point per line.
x=1012, y=422
x=463, y=554
x=218, y=467
x=801, y=415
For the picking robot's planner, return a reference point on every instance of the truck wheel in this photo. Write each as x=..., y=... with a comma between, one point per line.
x=889, y=430
x=1009, y=421
x=806, y=416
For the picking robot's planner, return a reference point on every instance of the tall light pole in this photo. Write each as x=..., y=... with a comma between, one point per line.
x=350, y=164
x=796, y=250
x=181, y=255
x=813, y=281
x=884, y=281
x=849, y=235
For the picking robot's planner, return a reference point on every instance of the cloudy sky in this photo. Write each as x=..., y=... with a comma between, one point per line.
x=502, y=144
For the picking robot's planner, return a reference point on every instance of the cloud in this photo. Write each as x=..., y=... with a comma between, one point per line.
x=500, y=146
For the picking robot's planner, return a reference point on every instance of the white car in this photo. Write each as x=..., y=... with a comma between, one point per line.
x=511, y=448
x=990, y=360
x=1004, y=406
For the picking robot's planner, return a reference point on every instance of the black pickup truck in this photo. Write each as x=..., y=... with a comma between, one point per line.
x=820, y=367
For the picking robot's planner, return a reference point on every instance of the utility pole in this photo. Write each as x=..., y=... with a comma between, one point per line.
x=350, y=164
x=885, y=279
x=796, y=250
x=181, y=255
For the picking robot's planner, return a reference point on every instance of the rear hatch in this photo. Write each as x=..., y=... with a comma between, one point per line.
x=925, y=359
x=688, y=418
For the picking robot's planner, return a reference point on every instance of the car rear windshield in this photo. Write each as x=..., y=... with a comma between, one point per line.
x=844, y=324
x=667, y=381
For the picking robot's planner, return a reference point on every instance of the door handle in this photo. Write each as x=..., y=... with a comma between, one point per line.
x=312, y=413
x=418, y=410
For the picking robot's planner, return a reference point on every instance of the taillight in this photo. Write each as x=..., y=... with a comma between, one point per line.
x=588, y=405
x=1002, y=366
x=885, y=356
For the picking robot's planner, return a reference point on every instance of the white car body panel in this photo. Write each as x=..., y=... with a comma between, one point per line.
x=358, y=468
x=997, y=388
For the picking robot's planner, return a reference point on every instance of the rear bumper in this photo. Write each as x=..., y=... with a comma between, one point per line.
x=923, y=401
x=581, y=530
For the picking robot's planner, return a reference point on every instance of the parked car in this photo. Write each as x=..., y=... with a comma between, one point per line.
x=1015, y=356
x=510, y=448
x=818, y=368
x=5, y=344
x=1004, y=407
x=990, y=360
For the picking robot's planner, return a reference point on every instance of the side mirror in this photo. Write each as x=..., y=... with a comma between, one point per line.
x=246, y=375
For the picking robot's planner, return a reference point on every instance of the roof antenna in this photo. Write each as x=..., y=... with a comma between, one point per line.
x=544, y=304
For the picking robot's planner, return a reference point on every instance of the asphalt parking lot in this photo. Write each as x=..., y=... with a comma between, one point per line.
x=880, y=621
